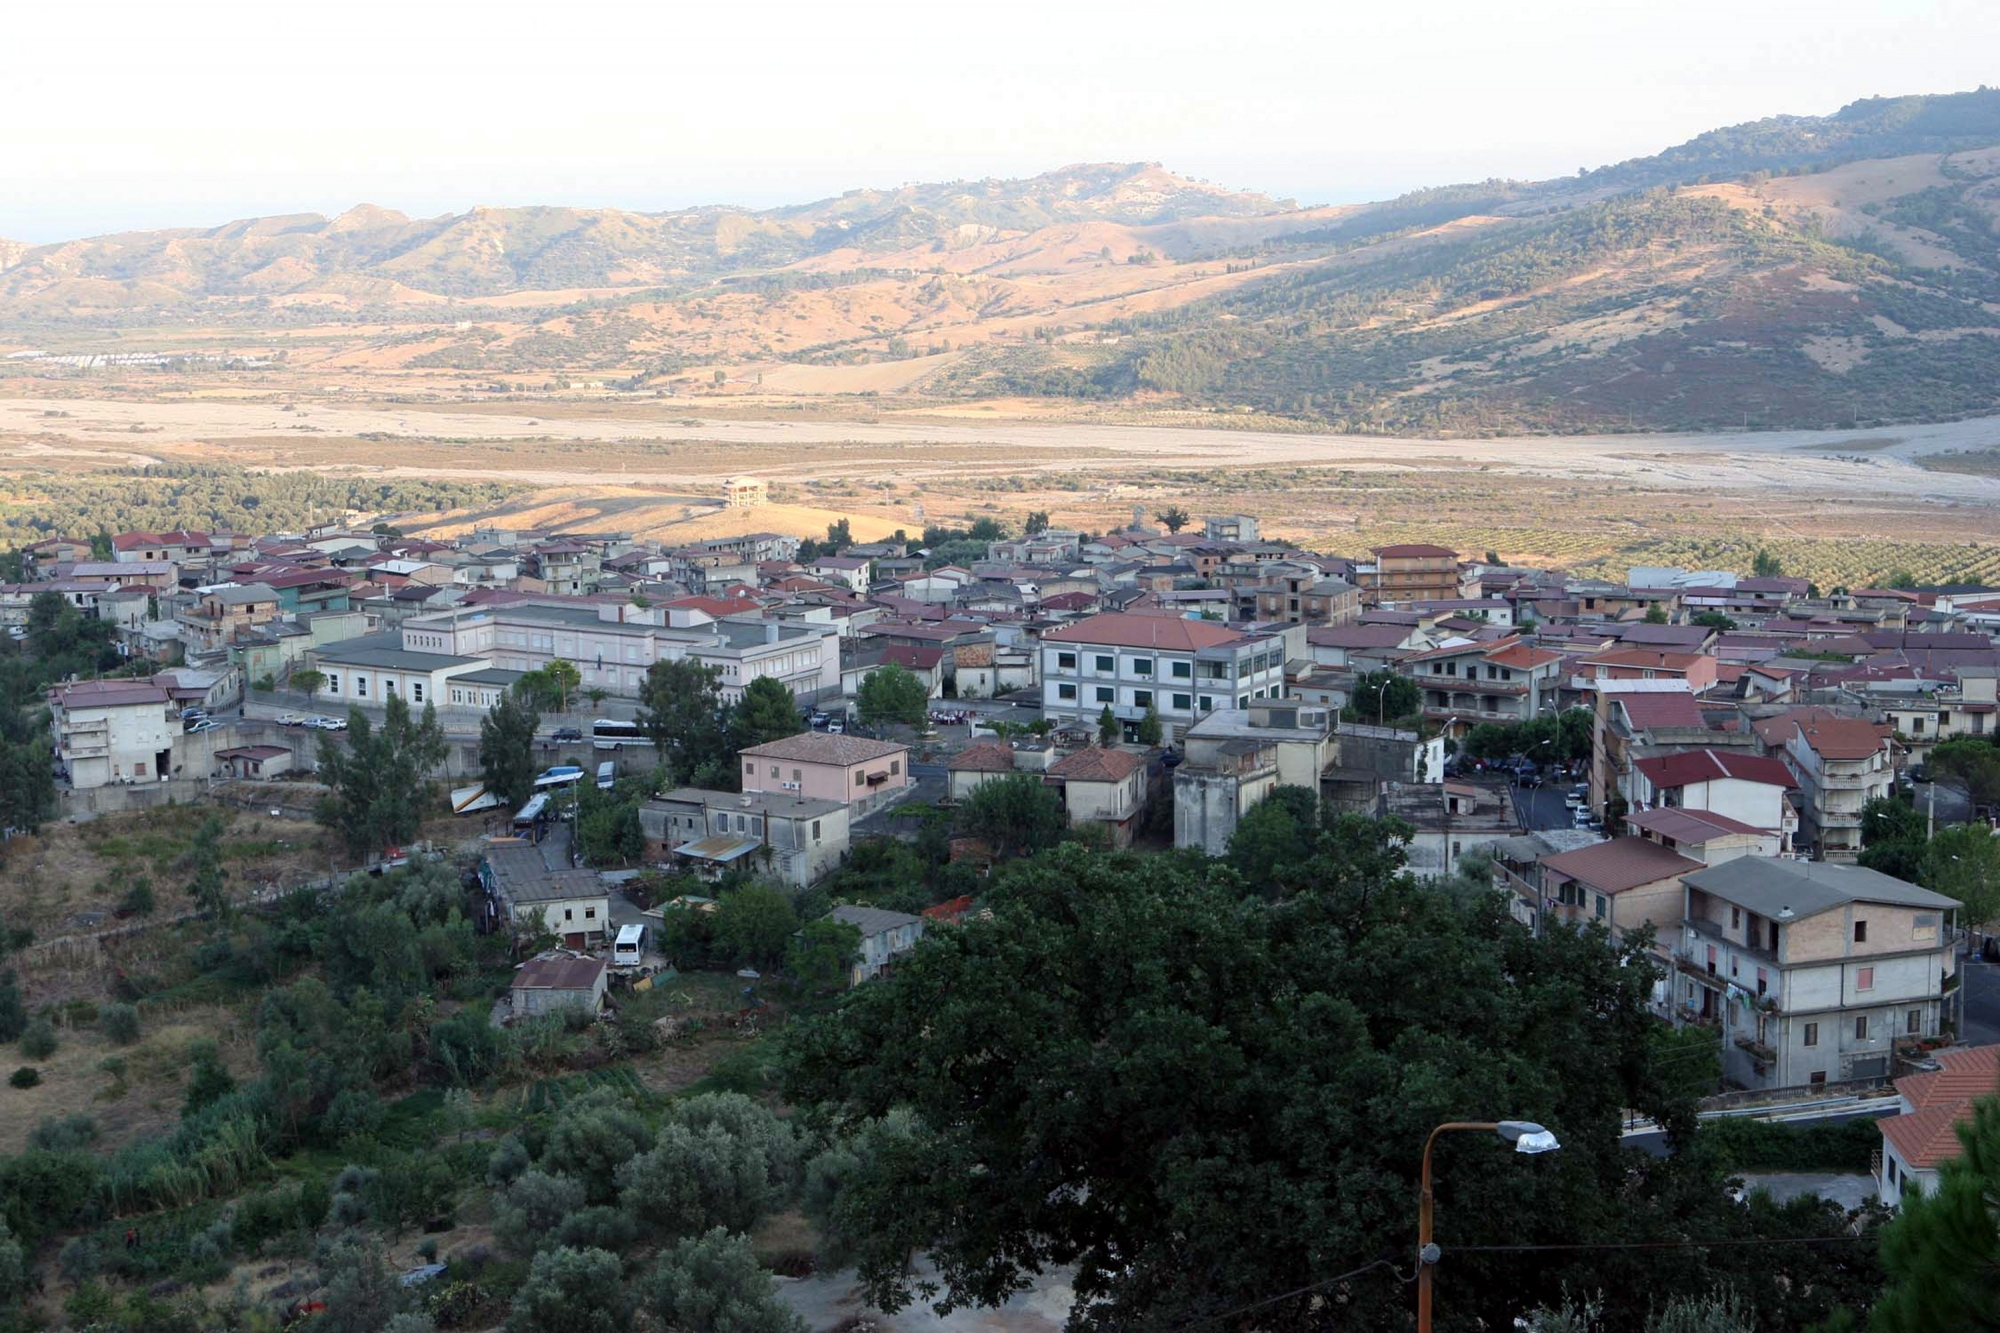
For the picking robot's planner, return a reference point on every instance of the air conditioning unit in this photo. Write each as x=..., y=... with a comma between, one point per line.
x=790, y=786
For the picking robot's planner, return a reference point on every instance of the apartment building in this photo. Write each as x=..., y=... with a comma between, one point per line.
x=1184, y=669
x=1103, y=787
x=1811, y=969
x=181, y=547
x=219, y=615
x=798, y=839
x=1621, y=884
x=1503, y=681
x=1841, y=765
x=569, y=567
x=1411, y=572
x=1302, y=595
x=854, y=770
x=1748, y=788
x=107, y=731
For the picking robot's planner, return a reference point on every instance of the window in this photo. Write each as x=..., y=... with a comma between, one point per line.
x=1106, y=663
x=361, y=686
x=1864, y=978
x=1812, y=1035
x=568, y=915
x=590, y=914
x=1105, y=694
x=1207, y=703
x=1861, y=1028
x=333, y=682
x=1763, y=981
x=860, y=781
x=815, y=830
x=417, y=691
x=749, y=768
x=1735, y=917
x=1066, y=661
x=1183, y=670
x=895, y=767
x=1600, y=907
x=798, y=776
x=757, y=825
x=1913, y=1023
x=1182, y=702
x=1065, y=691
x=774, y=770
x=1142, y=666
x=1818, y=1077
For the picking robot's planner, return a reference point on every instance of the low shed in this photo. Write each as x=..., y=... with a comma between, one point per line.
x=554, y=981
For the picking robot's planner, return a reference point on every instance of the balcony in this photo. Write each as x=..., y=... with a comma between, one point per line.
x=1757, y=1049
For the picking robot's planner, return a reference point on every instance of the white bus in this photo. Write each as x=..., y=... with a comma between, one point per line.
x=629, y=950
x=610, y=734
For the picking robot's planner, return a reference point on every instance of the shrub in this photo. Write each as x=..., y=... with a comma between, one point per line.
x=68, y=1133
x=38, y=1041
x=139, y=899
x=119, y=1022
x=1749, y=1145
x=24, y=1077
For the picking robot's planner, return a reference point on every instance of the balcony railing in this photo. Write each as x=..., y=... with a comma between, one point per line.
x=1757, y=1049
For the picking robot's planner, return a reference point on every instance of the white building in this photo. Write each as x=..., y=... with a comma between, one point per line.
x=1841, y=764
x=1932, y=1105
x=107, y=731
x=1185, y=669
x=884, y=937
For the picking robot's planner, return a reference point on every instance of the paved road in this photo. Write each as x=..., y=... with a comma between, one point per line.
x=1982, y=1001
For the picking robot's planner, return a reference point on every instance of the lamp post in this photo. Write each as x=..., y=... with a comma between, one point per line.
x=1525, y=1135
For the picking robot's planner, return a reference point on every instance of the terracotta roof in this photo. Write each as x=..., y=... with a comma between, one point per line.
x=1775, y=731
x=1692, y=827
x=1097, y=765
x=1358, y=636
x=985, y=757
x=949, y=910
x=1842, y=738
x=1652, y=658
x=1927, y=1135
x=1414, y=550
x=1647, y=711
x=1127, y=631
x=1522, y=657
x=819, y=747
x=919, y=658
x=1688, y=766
x=1620, y=864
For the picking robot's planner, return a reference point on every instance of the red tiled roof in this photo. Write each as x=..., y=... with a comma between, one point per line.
x=950, y=910
x=1070, y=601
x=1521, y=657
x=565, y=972
x=918, y=658
x=1842, y=738
x=1097, y=765
x=1668, y=709
x=1414, y=550
x=1126, y=631
x=985, y=757
x=1693, y=827
x=1651, y=658
x=1620, y=864
x=1775, y=731
x=1688, y=766
x=1926, y=1136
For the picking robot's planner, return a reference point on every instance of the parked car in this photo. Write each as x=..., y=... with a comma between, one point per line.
x=1582, y=818
x=561, y=734
x=291, y=719
x=201, y=725
x=192, y=713
x=326, y=723
x=836, y=727
x=1576, y=797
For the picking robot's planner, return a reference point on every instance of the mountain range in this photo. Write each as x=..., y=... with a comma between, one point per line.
x=1794, y=271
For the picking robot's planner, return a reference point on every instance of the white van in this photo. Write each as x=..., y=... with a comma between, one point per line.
x=630, y=947
x=607, y=773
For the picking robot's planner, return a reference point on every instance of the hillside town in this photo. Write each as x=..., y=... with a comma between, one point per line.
x=1714, y=764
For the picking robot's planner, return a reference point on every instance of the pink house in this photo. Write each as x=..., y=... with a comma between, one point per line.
x=817, y=765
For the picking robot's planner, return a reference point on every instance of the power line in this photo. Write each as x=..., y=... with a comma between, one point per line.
x=1293, y=1294
x=1665, y=1244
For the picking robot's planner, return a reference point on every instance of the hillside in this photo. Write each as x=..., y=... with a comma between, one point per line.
x=1798, y=271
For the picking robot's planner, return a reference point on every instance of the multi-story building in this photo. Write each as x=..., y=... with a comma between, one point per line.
x=181, y=547
x=1812, y=970
x=565, y=567
x=799, y=839
x=1235, y=757
x=1504, y=680
x=1411, y=572
x=1184, y=669
x=1841, y=764
x=1923, y=1135
x=108, y=731
x=375, y=668
x=854, y=770
x=1302, y=595
x=1748, y=788
x=1105, y=787
x=1230, y=528
x=219, y=614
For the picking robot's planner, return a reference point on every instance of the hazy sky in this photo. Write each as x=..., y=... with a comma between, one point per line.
x=117, y=115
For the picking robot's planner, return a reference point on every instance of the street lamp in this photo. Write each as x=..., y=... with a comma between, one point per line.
x=1525, y=1135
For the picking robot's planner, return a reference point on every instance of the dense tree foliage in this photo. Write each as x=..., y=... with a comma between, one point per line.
x=892, y=693
x=1380, y=697
x=507, y=748
x=681, y=708
x=379, y=779
x=766, y=712
x=1015, y=815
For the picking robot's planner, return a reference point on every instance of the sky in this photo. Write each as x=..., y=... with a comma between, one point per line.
x=120, y=116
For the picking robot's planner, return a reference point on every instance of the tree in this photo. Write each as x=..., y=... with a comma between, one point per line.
x=1656, y=614
x=711, y=1284
x=571, y=1291
x=1893, y=833
x=1766, y=566
x=1038, y=522
x=1941, y=1250
x=1714, y=620
x=1963, y=862
x=207, y=884
x=1015, y=815
x=719, y=1160
x=592, y=1137
x=892, y=693
x=839, y=535
x=507, y=748
x=680, y=706
x=1275, y=836
x=754, y=924
x=766, y=712
x=1150, y=728
x=1268, y=1078
x=1173, y=518
x=1381, y=696
x=1109, y=730
x=533, y=1207
x=362, y=1295
x=1973, y=762
x=821, y=955
x=309, y=683
x=378, y=780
